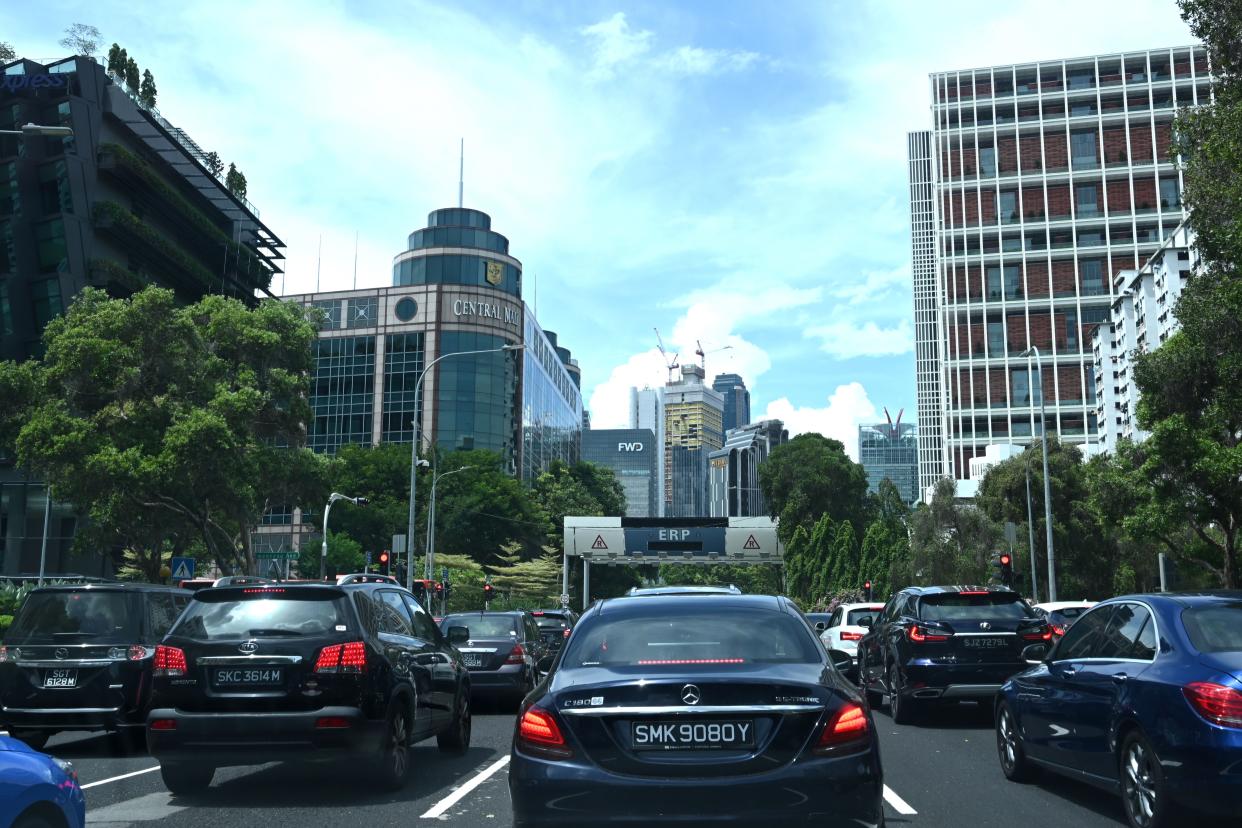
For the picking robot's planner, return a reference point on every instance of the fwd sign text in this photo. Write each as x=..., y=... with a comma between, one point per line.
x=629, y=446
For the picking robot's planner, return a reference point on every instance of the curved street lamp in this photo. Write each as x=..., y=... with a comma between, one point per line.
x=1043, y=416
x=414, y=463
x=429, y=567
x=323, y=549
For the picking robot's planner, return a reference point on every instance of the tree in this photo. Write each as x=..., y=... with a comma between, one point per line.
x=235, y=181
x=810, y=476
x=950, y=542
x=147, y=92
x=7, y=52
x=536, y=580
x=345, y=555
x=81, y=39
x=214, y=165
x=116, y=63
x=165, y=422
x=131, y=75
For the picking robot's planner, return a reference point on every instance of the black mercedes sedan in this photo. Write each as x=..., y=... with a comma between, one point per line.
x=713, y=708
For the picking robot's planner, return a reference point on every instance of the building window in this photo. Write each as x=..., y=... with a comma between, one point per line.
x=1008, y=205
x=1088, y=200
x=1013, y=282
x=1021, y=387
x=50, y=241
x=987, y=161
x=406, y=309
x=10, y=200
x=1170, y=198
x=8, y=252
x=341, y=392
x=1071, y=330
x=45, y=301
x=996, y=338
x=331, y=310
x=403, y=362
x=6, y=311
x=1083, y=149
x=1092, y=272
x=54, y=195
x=994, y=284
x=363, y=312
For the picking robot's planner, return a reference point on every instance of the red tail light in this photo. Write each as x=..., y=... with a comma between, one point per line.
x=169, y=661
x=847, y=728
x=1058, y=630
x=1043, y=634
x=163, y=724
x=342, y=658
x=137, y=652
x=1217, y=703
x=566, y=634
x=538, y=730
x=920, y=635
x=517, y=655
x=331, y=723
x=4, y=655
x=851, y=636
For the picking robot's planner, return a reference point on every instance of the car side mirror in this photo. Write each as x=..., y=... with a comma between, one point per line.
x=820, y=626
x=843, y=661
x=865, y=621
x=1035, y=654
x=458, y=635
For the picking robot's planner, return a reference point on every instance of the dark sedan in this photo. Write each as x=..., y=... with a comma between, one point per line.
x=724, y=708
x=505, y=654
x=1143, y=696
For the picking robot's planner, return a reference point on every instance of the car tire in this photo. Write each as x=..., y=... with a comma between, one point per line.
x=900, y=708
x=186, y=777
x=34, y=739
x=35, y=820
x=1009, y=747
x=1144, y=794
x=394, y=761
x=456, y=740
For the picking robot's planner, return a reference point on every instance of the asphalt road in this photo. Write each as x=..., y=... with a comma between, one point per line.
x=940, y=773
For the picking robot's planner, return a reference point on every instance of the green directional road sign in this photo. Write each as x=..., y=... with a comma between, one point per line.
x=279, y=555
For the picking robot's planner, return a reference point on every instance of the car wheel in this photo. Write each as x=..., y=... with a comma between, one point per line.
x=1143, y=792
x=394, y=763
x=899, y=707
x=456, y=739
x=1013, y=761
x=36, y=739
x=186, y=777
x=35, y=820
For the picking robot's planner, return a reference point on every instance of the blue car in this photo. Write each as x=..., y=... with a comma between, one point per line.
x=37, y=790
x=1143, y=696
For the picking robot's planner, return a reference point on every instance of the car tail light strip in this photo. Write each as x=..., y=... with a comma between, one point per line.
x=851, y=636
x=658, y=661
x=920, y=635
x=848, y=727
x=1043, y=634
x=539, y=731
x=342, y=658
x=169, y=661
x=517, y=655
x=1217, y=703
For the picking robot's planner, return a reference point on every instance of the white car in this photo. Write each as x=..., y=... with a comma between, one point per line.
x=843, y=631
x=1061, y=615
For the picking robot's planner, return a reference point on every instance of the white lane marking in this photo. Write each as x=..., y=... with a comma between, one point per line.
x=452, y=799
x=899, y=805
x=150, y=808
x=119, y=778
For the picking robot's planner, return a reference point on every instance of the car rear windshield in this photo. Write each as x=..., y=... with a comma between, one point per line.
x=546, y=623
x=1067, y=615
x=224, y=615
x=482, y=626
x=96, y=616
x=1216, y=628
x=965, y=606
x=851, y=617
x=704, y=638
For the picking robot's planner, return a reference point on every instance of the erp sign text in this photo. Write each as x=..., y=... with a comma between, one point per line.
x=675, y=540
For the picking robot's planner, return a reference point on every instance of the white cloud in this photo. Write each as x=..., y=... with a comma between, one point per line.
x=848, y=407
x=878, y=287
x=692, y=60
x=615, y=43
x=847, y=339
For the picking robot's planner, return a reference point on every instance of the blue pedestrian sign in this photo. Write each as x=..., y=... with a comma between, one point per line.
x=182, y=569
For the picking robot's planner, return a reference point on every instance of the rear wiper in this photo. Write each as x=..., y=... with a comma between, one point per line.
x=274, y=631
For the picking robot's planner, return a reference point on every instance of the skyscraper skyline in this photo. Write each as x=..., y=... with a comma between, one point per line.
x=693, y=417
x=736, y=400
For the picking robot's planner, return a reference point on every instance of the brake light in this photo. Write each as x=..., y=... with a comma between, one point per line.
x=1217, y=703
x=262, y=590
x=651, y=661
x=1044, y=634
x=851, y=636
x=163, y=724
x=973, y=592
x=566, y=635
x=919, y=635
x=331, y=723
x=848, y=727
x=342, y=658
x=517, y=655
x=1058, y=630
x=539, y=730
x=169, y=661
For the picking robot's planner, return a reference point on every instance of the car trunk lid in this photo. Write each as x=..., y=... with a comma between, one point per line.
x=975, y=627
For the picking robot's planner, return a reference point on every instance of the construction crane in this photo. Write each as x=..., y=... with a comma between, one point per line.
x=702, y=355
x=672, y=364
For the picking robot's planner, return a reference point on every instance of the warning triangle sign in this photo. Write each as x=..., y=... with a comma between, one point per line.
x=599, y=543
x=751, y=543
x=182, y=572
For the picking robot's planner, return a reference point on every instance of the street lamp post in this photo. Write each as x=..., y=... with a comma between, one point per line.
x=429, y=567
x=1030, y=531
x=36, y=131
x=414, y=463
x=323, y=549
x=1043, y=416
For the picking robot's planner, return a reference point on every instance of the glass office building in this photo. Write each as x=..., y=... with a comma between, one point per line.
x=891, y=451
x=631, y=453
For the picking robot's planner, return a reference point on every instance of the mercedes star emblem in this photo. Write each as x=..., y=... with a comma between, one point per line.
x=248, y=647
x=61, y=652
x=690, y=694
x=985, y=625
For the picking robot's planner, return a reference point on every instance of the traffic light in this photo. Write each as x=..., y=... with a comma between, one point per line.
x=1006, y=569
x=867, y=588
x=384, y=561
x=489, y=592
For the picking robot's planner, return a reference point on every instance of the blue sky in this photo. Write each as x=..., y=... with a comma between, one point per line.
x=730, y=172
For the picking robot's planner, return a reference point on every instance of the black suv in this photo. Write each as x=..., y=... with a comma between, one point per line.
x=554, y=626
x=505, y=653
x=946, y=642
x=304, y=672
x=80, y=658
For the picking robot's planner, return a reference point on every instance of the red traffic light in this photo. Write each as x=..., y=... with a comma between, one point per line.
x=1005, y=560
x=383, y=557
x=866, y=585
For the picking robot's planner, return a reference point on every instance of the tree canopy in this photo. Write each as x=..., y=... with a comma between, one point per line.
x=809, y=476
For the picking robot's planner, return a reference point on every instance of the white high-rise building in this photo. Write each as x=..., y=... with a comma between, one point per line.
x=930, y=391
x=647, y=411
x=1047, y=180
